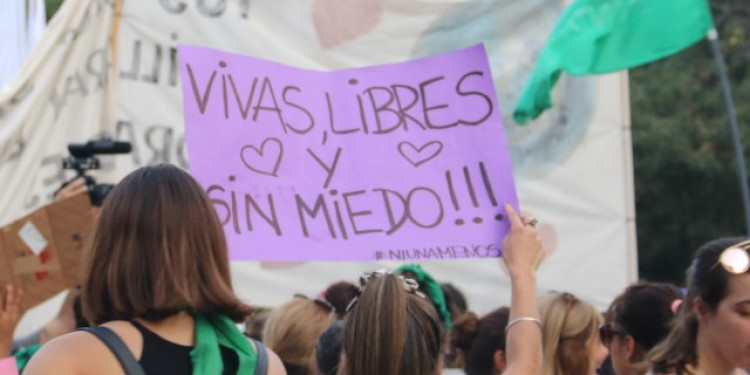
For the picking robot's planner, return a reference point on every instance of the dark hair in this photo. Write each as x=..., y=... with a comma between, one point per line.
x=78, y=313
x=479, y=339
x=705, y=281
x=644, y=311
x=392, y=331
x=293, y=369
x=454, y=299
x=158, y=249
x=328, y=349
x=456, y=306
x=339, y=295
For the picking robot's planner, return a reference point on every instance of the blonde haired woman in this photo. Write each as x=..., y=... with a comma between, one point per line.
x=571, y=336
x=293, y=329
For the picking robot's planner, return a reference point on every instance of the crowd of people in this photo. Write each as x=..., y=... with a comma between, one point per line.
x=178, y=313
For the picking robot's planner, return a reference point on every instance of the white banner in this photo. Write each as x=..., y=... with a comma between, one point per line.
x=573, y=165
x=22, y=23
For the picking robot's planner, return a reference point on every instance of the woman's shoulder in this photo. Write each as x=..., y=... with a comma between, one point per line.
x=275, y=365
x=72, y=353
x=83, y=353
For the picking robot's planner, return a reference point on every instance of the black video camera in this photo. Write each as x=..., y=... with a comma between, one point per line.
x=83, y=158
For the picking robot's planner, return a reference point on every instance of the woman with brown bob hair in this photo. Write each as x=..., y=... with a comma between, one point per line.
x=157, y=276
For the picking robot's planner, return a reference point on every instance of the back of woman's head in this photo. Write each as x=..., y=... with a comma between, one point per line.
x=338, y=296
x=292, y=330
x=158, y=249
x=644, y=311
x=455, y=300
x=479, y=339
x=569, y=326
x=391, y=330
x=328, y=348
x=707, y=281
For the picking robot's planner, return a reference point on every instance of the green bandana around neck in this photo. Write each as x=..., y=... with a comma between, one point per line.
x=212, y=331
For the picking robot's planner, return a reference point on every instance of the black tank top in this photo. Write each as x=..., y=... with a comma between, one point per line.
x=160, y=356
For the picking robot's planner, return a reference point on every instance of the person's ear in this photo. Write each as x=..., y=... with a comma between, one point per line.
x=500, y=361
x=701, y=309
x=630, y=348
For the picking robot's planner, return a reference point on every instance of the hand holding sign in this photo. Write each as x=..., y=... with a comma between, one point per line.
x=42, y=251
x=523, y=249
x=10, y=314
x=403, y=161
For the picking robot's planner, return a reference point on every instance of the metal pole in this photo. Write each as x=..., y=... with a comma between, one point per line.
x=713, y=37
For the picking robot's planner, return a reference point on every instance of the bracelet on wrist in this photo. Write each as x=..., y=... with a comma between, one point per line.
x=522, y=319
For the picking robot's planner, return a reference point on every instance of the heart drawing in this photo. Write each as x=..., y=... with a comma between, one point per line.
x=418, y=156
x=265, y=160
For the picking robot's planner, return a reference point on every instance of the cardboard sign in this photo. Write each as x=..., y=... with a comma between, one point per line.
x=43, y=252
x=375, y=163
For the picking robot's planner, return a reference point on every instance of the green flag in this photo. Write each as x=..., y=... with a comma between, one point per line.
x=603, y=36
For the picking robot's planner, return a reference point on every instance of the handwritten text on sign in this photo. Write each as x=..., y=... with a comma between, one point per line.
x=404, y=161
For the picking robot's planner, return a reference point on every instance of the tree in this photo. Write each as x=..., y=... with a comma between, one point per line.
x=51, y=7
x=687, y=187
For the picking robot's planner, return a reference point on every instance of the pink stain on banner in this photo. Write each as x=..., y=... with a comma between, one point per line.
x=337, y=22
x=403, y=161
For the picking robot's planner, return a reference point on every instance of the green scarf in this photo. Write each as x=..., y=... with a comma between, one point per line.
x=212, y=331
x=24, y=354
x=432, y=288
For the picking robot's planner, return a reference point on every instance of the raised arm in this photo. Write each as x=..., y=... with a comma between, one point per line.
x=522, y=254
x=10, y=314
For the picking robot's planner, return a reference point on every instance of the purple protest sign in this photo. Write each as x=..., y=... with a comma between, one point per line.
x=393, y=162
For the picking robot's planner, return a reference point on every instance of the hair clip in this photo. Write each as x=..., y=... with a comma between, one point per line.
x=351, y=304
x=367, y=276
x=320, y=301
x=410, y=285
